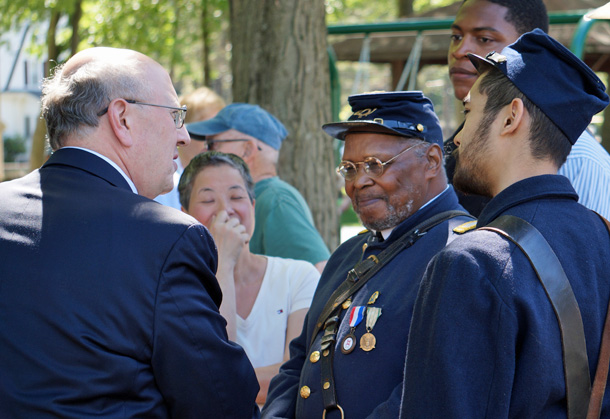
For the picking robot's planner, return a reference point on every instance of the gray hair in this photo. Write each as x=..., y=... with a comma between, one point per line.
x=72, y=102
x=212, y=159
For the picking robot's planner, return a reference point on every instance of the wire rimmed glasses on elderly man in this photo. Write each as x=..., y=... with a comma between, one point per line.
x=372, y=165
x=178, y=113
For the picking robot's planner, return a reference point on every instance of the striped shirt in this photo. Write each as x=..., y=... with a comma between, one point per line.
x=588, y=168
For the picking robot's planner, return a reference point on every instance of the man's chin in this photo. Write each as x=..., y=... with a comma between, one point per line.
x=469, y=185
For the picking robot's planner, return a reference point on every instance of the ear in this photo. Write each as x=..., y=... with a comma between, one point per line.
x=119, y=118
x=249, y=149
x=513, y=117
x=434, y=160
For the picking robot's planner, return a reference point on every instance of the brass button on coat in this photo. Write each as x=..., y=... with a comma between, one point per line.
x=305, y=392
x=314, y=357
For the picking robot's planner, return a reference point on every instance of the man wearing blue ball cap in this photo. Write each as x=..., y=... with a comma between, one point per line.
x=348, y=361
x=505, y=326
x=284, y=226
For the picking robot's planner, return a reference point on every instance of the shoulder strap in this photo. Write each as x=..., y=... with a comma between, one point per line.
x=559, y=291
x=601, y=373
x=360, y=274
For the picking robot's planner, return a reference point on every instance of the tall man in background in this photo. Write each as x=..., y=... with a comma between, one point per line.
x=482, y=26
x=284, y=225
x=108, y=302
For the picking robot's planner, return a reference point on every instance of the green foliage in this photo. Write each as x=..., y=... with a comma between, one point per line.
x=169, y=31
x=13, y=147
x=425, y=5
x=360, y=11
x=367, y=11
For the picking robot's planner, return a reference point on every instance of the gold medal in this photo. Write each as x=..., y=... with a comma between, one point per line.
x=367, y=342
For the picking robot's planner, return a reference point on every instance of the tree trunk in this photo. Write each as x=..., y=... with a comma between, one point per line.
x=37, y=153
x=405, y=8
x=78, y=13
x=280, y=62
x=207, y=78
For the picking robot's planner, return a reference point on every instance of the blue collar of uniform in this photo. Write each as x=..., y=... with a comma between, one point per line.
x=445, y=201
x=530, y=189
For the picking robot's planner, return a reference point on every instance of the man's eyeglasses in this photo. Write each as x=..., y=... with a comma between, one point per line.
x=372, y=166
x=178, y=113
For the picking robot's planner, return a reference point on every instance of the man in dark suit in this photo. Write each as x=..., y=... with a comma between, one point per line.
x=108, y=300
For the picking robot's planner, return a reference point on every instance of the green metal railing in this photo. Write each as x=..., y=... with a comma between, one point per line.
x=427, y=24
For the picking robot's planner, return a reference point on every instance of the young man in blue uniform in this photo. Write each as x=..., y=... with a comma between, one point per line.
x=351, y=361
x=485, y=340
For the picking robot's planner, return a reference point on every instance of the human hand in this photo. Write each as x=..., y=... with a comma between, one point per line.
x=230, y=236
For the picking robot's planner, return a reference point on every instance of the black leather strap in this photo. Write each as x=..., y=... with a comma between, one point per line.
x=365, y=269
x=601, y=372
x=559, y=291
x=356, y=278
x=329, y=395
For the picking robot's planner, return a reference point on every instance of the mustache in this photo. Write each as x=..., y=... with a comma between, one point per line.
x=364, y=197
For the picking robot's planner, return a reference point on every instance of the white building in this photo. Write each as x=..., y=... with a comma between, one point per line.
x=21, y=74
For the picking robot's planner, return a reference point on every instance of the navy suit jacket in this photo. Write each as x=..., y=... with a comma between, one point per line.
x=109, y=304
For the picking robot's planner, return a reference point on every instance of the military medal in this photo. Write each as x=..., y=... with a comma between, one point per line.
x=348, y=343
x=368, y=340
x=373, y=297
x=346, y=304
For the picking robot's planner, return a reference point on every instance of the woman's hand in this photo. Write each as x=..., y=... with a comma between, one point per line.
x=230, y=236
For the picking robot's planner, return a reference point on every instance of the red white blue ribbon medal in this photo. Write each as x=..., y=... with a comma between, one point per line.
x=348, y=343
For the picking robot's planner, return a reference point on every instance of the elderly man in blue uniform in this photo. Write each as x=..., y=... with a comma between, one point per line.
x=485, y=339
x=108, y=301
x=350, y=356
x=281, y=213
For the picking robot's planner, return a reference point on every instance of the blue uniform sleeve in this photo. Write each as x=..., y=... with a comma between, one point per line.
x=198, y=370
x=461, y=353
x=284, y=387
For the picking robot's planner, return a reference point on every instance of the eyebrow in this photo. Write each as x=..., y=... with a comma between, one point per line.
x=234, y=187
x=478, y=29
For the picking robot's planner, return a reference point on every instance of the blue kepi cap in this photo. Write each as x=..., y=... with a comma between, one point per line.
x=406, y=114
x=249, y=119
x=548, y=74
